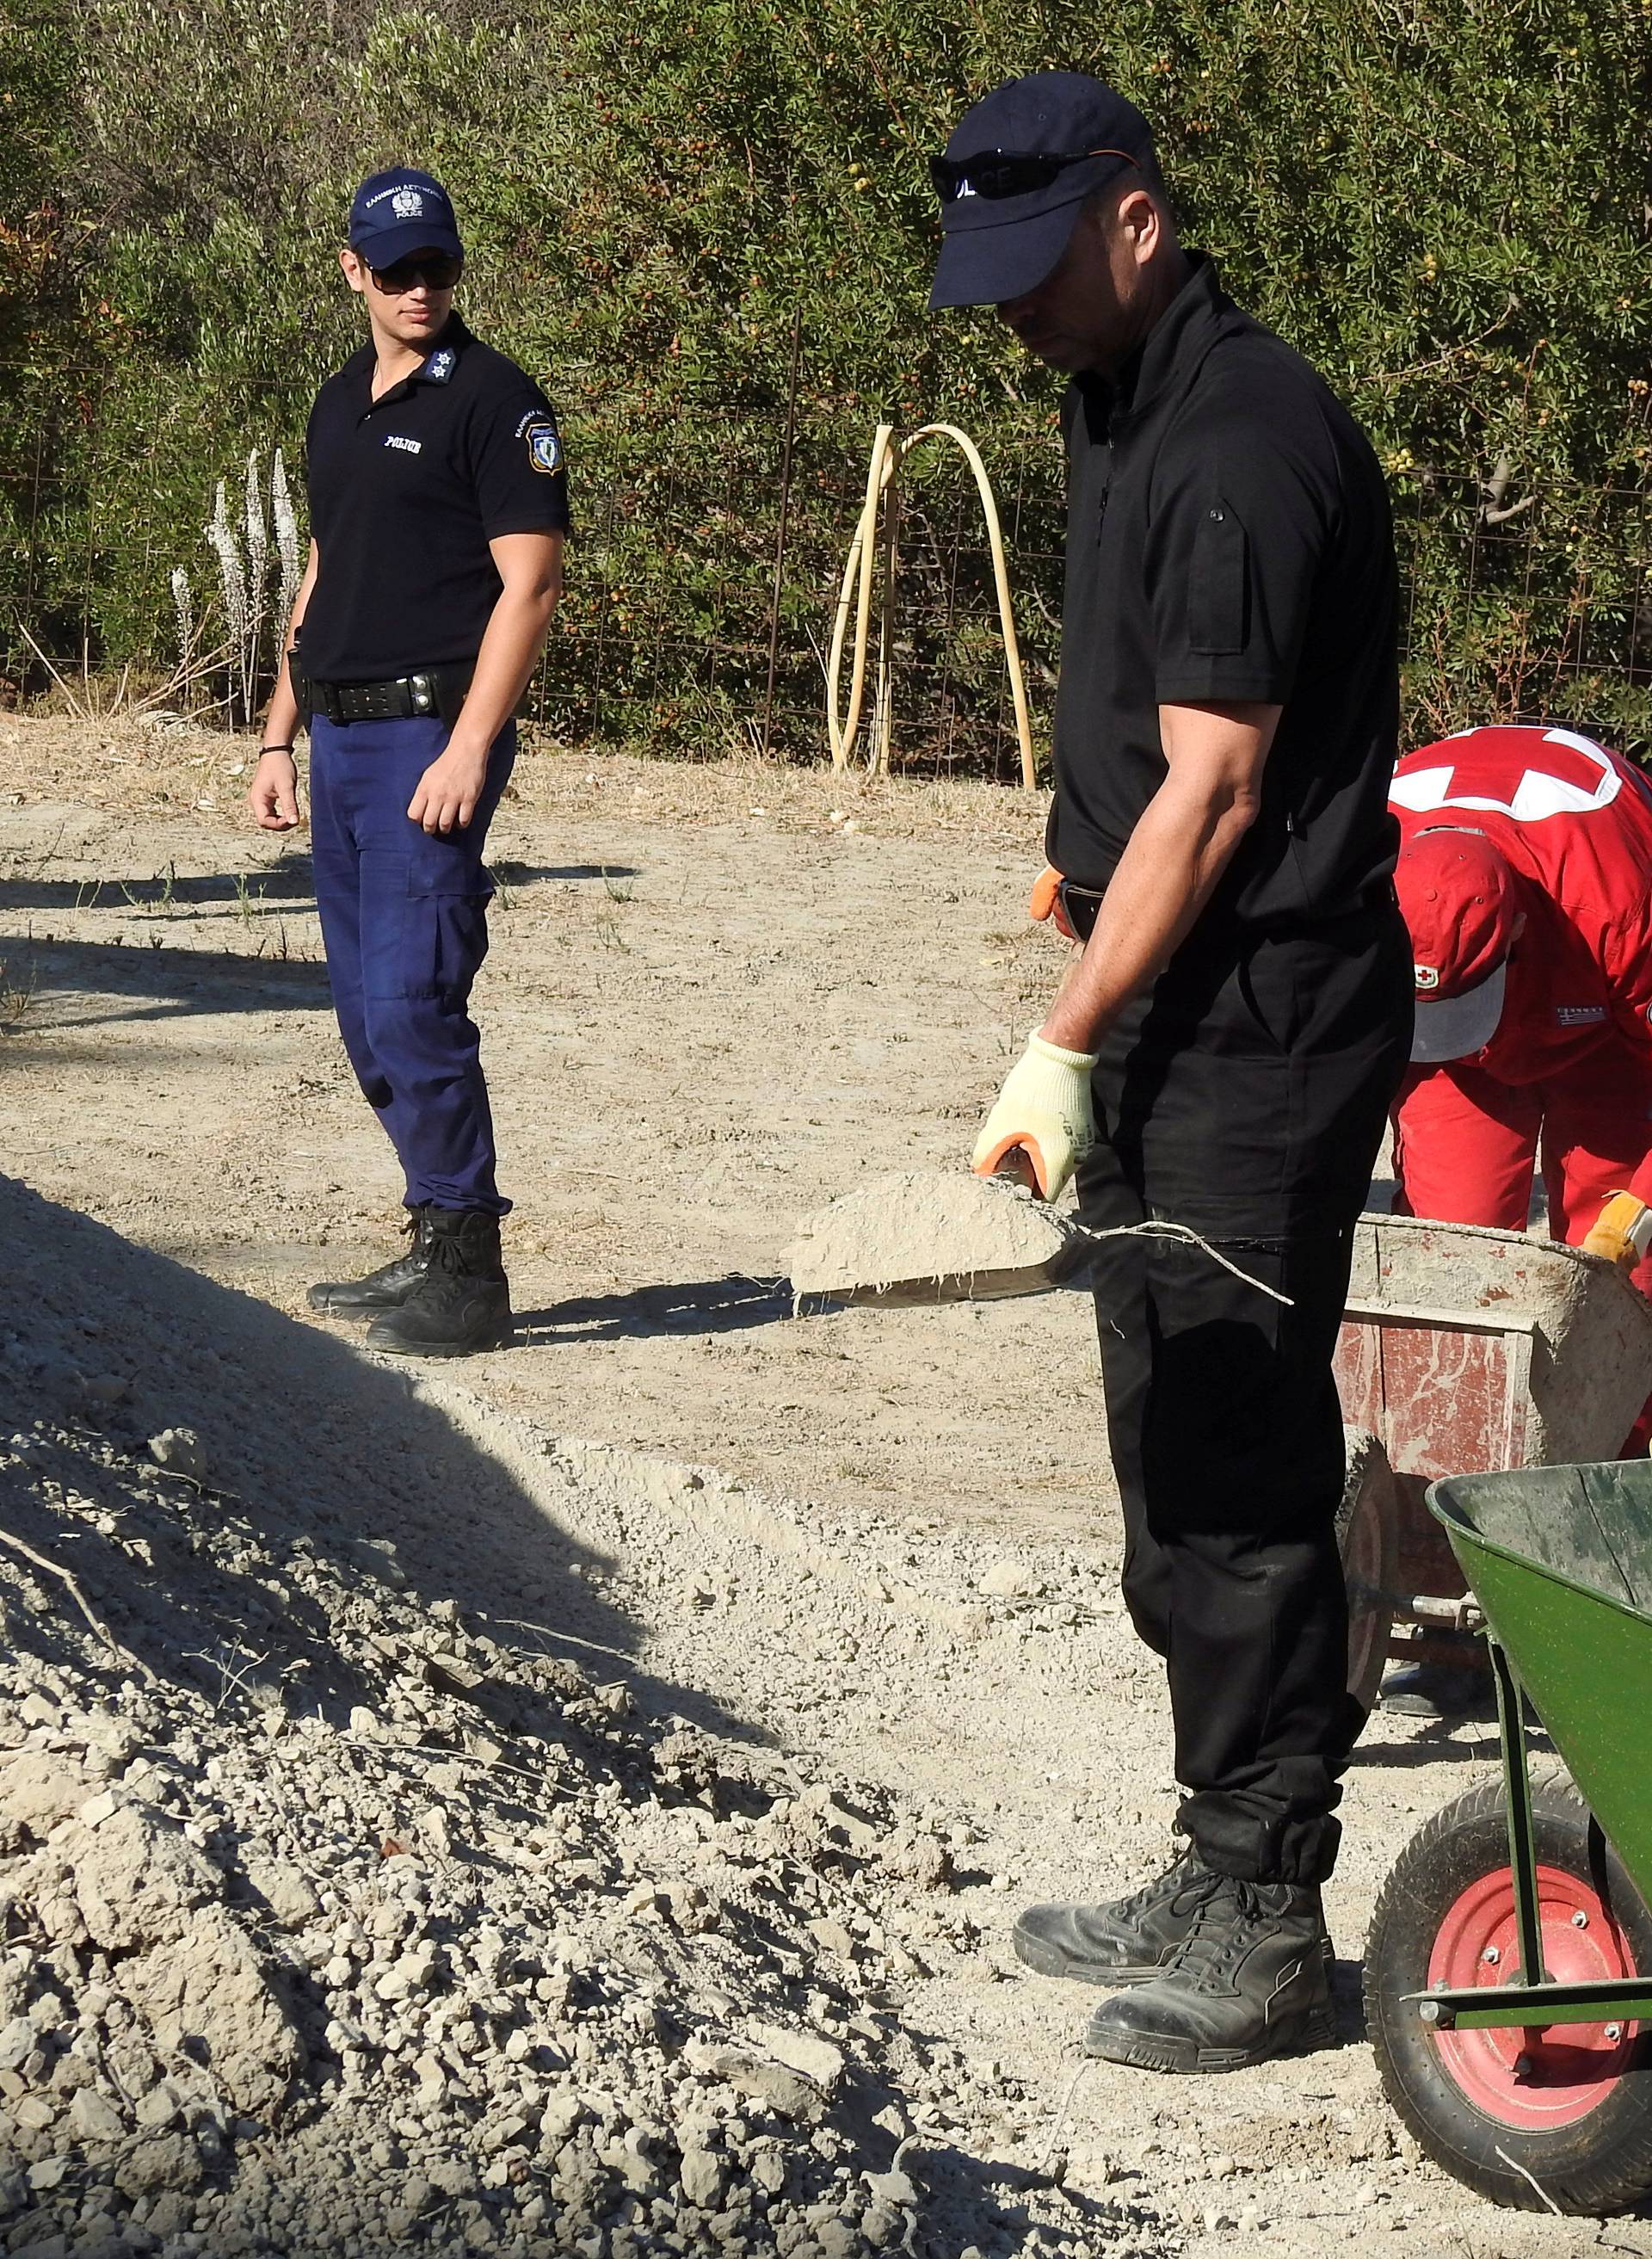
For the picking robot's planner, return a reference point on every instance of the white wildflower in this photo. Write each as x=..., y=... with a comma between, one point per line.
x=183, y=604
x=233, y=578
x=287, y=544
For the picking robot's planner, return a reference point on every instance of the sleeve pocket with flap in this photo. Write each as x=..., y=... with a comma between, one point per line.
x=1219, y=583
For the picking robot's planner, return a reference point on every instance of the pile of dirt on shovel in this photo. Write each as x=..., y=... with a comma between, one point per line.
x=927, y=1232
x=361, y=1891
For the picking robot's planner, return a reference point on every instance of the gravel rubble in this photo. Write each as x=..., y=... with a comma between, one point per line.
x=334, y=1917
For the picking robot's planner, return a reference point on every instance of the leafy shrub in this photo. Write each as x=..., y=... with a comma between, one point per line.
x=1442, y=202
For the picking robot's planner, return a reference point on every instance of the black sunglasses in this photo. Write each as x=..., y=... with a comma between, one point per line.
x=436, y=270
x=998, y=173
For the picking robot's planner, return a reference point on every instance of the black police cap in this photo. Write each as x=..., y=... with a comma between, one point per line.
x=999, y=244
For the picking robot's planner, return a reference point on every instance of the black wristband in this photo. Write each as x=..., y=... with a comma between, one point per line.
x=274, y=749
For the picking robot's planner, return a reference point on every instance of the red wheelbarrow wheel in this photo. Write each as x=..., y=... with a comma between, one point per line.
x=1560, y=2117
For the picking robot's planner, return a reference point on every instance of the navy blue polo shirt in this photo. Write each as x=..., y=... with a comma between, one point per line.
x=1228, y=539
x=405, y=493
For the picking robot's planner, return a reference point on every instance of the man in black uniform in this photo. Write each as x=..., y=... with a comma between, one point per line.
x=1223, y=1052
x=438, y=503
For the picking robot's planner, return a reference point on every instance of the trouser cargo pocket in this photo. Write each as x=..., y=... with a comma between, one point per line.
x=424, y=925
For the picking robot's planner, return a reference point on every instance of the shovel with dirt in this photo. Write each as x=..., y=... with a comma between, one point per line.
x=924, y=1235
x=928, y=1236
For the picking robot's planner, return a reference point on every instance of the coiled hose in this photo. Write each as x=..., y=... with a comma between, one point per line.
x=888, y=453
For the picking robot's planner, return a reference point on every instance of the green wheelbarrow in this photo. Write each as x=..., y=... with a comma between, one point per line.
x=1508, y=1973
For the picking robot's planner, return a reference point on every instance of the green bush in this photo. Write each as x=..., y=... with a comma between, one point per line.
x=1443, y=205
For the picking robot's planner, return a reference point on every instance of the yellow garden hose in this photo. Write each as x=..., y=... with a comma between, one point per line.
x=888, y=453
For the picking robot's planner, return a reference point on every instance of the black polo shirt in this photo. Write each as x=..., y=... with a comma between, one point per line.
x=1229, y=538
x=405, y=493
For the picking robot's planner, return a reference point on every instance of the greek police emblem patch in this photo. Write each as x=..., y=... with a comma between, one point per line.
x=407, y=204
x=544, y=449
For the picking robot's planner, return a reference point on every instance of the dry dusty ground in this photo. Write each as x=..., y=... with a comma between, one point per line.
x=709, y=1007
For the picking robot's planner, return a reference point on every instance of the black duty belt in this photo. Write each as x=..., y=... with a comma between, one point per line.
x=1082, y=905
x=436, y=690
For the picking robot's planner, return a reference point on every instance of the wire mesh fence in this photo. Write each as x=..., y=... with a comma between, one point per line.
x=707, y=566
x=1534, y=605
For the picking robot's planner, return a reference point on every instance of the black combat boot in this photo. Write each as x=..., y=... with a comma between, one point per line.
x=1123, y=1941
x=388, y=1286
x=1250, y=1980
x=1449, y=1693
x=463, y=1301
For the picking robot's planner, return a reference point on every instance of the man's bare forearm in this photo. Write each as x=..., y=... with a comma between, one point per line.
x=1184, y=841
x=281, y=718
x=1165, y=877
x=531, y=574
x=516, y=630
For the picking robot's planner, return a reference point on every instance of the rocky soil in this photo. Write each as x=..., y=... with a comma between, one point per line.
x=477, y=1818
x=338, y=1916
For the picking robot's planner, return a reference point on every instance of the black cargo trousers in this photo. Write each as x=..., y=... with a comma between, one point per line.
x=1244, y=1094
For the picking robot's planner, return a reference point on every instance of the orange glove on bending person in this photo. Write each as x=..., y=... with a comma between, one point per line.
x=1046, y=902
x=1622, y=1232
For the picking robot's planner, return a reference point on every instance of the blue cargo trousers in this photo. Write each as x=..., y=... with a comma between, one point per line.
x=404, y=924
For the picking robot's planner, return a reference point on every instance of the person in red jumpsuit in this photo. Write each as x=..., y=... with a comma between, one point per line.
x=1525, y=878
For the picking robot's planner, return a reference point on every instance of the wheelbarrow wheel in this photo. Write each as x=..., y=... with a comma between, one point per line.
x=1559, y=2117
x=1367, y=1537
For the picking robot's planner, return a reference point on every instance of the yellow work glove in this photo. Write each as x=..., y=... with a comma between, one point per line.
x=1622, y=1232
x=1045, y=1107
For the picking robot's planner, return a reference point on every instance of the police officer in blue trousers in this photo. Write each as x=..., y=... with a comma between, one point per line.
x=438, y=505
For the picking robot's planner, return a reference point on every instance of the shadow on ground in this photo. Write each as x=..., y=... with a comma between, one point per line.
x=317, y=1446
x=700, y=1306
x=67, y=982
x=284, y=885
x=279, y=886
x=527, y=875
x=1441, y=1744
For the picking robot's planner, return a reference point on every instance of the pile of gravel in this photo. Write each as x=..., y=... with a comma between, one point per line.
x=338, y=1917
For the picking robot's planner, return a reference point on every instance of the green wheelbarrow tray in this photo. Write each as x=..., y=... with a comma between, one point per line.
x=1560, y=1560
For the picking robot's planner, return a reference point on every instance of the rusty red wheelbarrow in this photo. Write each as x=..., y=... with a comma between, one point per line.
x=1465, y=1351
x=1508, y=1972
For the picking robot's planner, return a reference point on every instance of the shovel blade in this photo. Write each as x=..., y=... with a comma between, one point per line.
x=924, y=1237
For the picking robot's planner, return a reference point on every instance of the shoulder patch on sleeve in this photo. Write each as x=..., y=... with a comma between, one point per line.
x=543, y=442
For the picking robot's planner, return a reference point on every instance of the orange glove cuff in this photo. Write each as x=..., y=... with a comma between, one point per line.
x=1045, y=901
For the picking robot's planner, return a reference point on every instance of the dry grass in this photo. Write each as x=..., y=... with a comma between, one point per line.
x=17, y=984
x=150, y=767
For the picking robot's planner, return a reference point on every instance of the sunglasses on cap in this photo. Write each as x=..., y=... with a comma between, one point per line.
x=998, y=173
x=436, y=270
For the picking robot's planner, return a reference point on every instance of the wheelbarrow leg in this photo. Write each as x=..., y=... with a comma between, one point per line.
x=1511, y=1718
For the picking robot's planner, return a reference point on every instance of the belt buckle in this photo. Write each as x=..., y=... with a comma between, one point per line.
x=1080, y=905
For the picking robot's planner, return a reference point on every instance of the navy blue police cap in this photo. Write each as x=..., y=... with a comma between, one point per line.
x=393, y=213
x=1005, y=219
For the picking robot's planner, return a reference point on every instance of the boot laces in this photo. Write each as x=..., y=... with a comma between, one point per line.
x=447, y=1280
x=1185, y=1882
x=1224, y=1930
x=444, y=1253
